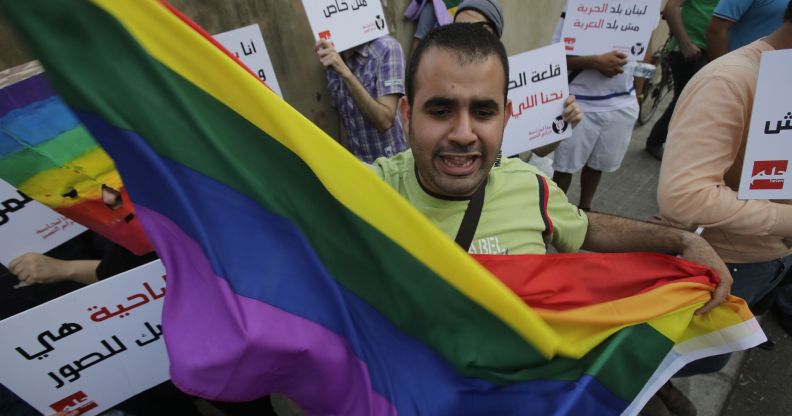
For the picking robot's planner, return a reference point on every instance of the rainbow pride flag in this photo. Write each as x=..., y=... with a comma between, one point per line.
x=293, y=269
x=47, y=154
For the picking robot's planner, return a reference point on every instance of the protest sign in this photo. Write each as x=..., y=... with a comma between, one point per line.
x=90, y=349
x=593, y=27
x=769, y=148
x=28, y=226
x=247, y=44
x=346, y=23
x=538, y=88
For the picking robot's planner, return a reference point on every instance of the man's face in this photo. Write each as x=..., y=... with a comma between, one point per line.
x=456, y=122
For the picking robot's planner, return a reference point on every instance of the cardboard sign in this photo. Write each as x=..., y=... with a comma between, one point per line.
x=538, y=88
x=593, y=27
x=90, y=349
x=765, y=173
x=348, y=23
x=247, y=44
x=28, y=226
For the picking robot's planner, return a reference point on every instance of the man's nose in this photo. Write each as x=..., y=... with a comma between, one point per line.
x=462, y=132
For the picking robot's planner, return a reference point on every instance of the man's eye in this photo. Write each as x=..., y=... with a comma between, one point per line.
x=439, y=112
x=484, y=114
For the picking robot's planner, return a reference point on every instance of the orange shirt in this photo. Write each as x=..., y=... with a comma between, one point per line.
x=703, y=161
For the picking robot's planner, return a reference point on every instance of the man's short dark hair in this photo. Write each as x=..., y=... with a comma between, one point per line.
x=471, y=42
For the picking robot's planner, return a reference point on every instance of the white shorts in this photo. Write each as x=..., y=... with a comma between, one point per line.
x=599, y=141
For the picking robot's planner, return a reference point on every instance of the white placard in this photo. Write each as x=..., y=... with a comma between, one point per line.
x=348, y=23
x=247, y=44
x=593, y=27
x=769, y=149
x=90, y=349
x=29, y=226
x=538, y=87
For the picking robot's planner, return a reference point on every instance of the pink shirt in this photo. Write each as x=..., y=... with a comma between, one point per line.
x=703, y=160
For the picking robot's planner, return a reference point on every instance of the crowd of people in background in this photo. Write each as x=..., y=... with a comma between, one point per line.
x=430, y=123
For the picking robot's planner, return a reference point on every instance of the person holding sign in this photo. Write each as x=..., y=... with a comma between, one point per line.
x=700, y=175
x=607, y=95
x=365, y=84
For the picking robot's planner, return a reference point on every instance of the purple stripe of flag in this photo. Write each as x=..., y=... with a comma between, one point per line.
x=266, y=341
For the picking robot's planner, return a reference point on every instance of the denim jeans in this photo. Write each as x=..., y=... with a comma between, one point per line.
x=753, y=282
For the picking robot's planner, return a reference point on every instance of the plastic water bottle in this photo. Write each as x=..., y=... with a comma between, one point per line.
x=639, y=69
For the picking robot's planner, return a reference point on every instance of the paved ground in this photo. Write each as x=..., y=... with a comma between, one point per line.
x=763, y=386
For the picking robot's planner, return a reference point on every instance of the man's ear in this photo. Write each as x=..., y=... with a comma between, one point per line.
x=404, y=113
x=507, y=113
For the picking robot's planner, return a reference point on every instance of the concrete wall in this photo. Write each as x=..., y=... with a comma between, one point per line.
x=529, y=24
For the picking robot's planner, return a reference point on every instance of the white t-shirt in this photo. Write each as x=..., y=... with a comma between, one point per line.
x=596, y=92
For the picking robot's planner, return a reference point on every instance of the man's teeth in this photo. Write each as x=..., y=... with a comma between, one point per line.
x=458, y=161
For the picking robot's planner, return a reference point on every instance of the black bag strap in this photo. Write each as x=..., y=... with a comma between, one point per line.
x=544, y=195
x=471, y=218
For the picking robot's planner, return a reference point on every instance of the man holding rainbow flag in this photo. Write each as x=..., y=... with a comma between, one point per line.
x=294, y=269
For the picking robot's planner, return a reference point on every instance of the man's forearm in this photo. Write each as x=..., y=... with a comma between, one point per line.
x=575, y=63
x=375, y=112
x=673, y=15
x=82, y=271
x=609, y=233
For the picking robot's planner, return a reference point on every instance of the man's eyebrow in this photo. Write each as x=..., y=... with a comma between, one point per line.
x=439, y=102
x=486, y=103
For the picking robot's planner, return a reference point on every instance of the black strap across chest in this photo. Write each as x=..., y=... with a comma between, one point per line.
x=471, y=218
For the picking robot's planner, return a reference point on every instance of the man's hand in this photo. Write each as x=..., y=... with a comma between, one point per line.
x=33, y=268
x=572, y=112
x=610, y=64
x=330, y=58
x=612, y=234
x=690, y=52
x=697, y=250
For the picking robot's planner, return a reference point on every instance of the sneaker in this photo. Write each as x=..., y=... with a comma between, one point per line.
x=655, y=407
x=768, y=345
x=655, y=151
x=676, y=401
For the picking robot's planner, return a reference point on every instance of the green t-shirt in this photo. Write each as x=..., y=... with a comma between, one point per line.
x=696, y=15
x=511, y=221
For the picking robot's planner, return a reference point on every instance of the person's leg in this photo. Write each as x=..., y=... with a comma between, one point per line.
x=783, y=301
x=572, y=153
x=609, y=149
x=681, y=71
x=753, y=281
x=589, y=180
x=563, y=180
x=783, y=308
